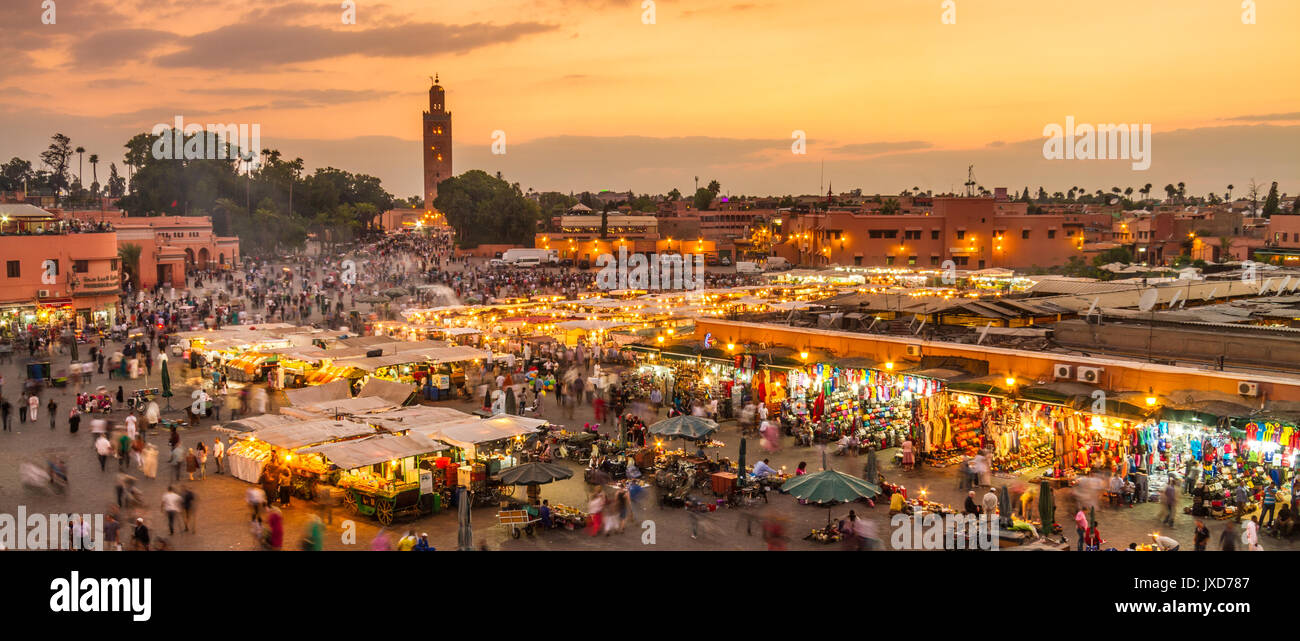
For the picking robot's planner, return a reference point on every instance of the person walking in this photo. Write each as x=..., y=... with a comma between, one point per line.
x=52, y=407
x=1202, y=536
x=1240, y=498
x=1228, y=538
x=74, y=420
x=1251, y=536
x=103, y=449
x=218, y=453
x=177, y=459
x=1081, y=525
x=1168, y=503
x=33, y=408
x=171, y=506
x=1270, y=505
x=188, y=501
x=6, y=408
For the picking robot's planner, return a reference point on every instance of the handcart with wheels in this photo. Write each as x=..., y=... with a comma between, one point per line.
x=517, y=521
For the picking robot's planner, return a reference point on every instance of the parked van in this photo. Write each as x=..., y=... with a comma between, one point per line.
x=748, y=267
x=548, y=256
x=778, y=263
x=531, y=261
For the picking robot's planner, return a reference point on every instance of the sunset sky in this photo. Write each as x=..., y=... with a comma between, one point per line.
x=592, y=98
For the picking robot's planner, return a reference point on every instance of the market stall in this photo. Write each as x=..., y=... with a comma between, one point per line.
x=248, y=458
x=388, y=475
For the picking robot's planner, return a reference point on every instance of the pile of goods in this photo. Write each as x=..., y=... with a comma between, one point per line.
x=1038, y=456
x=943, y=457
x=966, y=428
x=567, y=517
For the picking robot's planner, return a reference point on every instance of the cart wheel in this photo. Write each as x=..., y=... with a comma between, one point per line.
x=350, y=502
x=384, y=512
x=528, y=530
x=514, y=532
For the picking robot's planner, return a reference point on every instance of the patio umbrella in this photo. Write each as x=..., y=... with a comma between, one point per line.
x=166, y=382
x=740, y=471
x=1004, y=507
x=464, y=533
x=512, y=406
x=829, y=487
x=1046, y=507
x=685, y=426
x=535, y=474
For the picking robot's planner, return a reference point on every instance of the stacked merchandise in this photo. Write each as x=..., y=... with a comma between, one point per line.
x=967, y=428
x=1022, y=437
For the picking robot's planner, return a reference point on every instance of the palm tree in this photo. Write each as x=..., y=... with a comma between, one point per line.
x=1228, y=197
x=94, y=171
x=1128, y=193
x=129, y=254
x=1146, y=191
x=1182, y=192
x=80, y=167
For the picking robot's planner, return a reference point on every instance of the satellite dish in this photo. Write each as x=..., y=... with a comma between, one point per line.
x=1148, y=300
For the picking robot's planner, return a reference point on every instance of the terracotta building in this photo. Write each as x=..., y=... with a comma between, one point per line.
x=55, y=270
x=169, y=245
x=975, y=233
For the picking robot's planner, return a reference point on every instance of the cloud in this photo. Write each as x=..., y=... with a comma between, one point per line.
x=262, y=46
x=297, y=98
x=116, y=46
x=1294, y=115
x=877, y=148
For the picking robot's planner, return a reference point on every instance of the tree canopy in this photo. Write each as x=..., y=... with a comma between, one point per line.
x=486, y=209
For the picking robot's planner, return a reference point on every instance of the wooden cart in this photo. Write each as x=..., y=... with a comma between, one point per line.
x=386, y=504
x=517, y=521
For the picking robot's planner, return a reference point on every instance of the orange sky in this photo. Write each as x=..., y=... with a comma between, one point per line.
x=845, y=72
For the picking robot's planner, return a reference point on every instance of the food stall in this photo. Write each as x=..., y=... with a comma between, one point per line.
x=487, y=446
x=388, y=475
x=249, y=457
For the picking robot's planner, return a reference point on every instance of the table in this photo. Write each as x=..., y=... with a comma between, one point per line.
x=724, y=483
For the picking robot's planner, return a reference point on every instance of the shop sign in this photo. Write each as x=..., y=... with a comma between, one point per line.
x=426, y=482
x=99, y=282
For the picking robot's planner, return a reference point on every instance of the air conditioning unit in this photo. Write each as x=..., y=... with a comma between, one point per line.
x=1247, y=388
x=1089, y=374
x=44, y=293
x=1063, y=371
x=914, y=350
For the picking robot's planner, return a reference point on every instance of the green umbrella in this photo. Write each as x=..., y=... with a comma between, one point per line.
x=829, y=487
x=685, y=426
x=740, y=471
x=166, y=382
x=1004, y=506
x=1046, y=507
